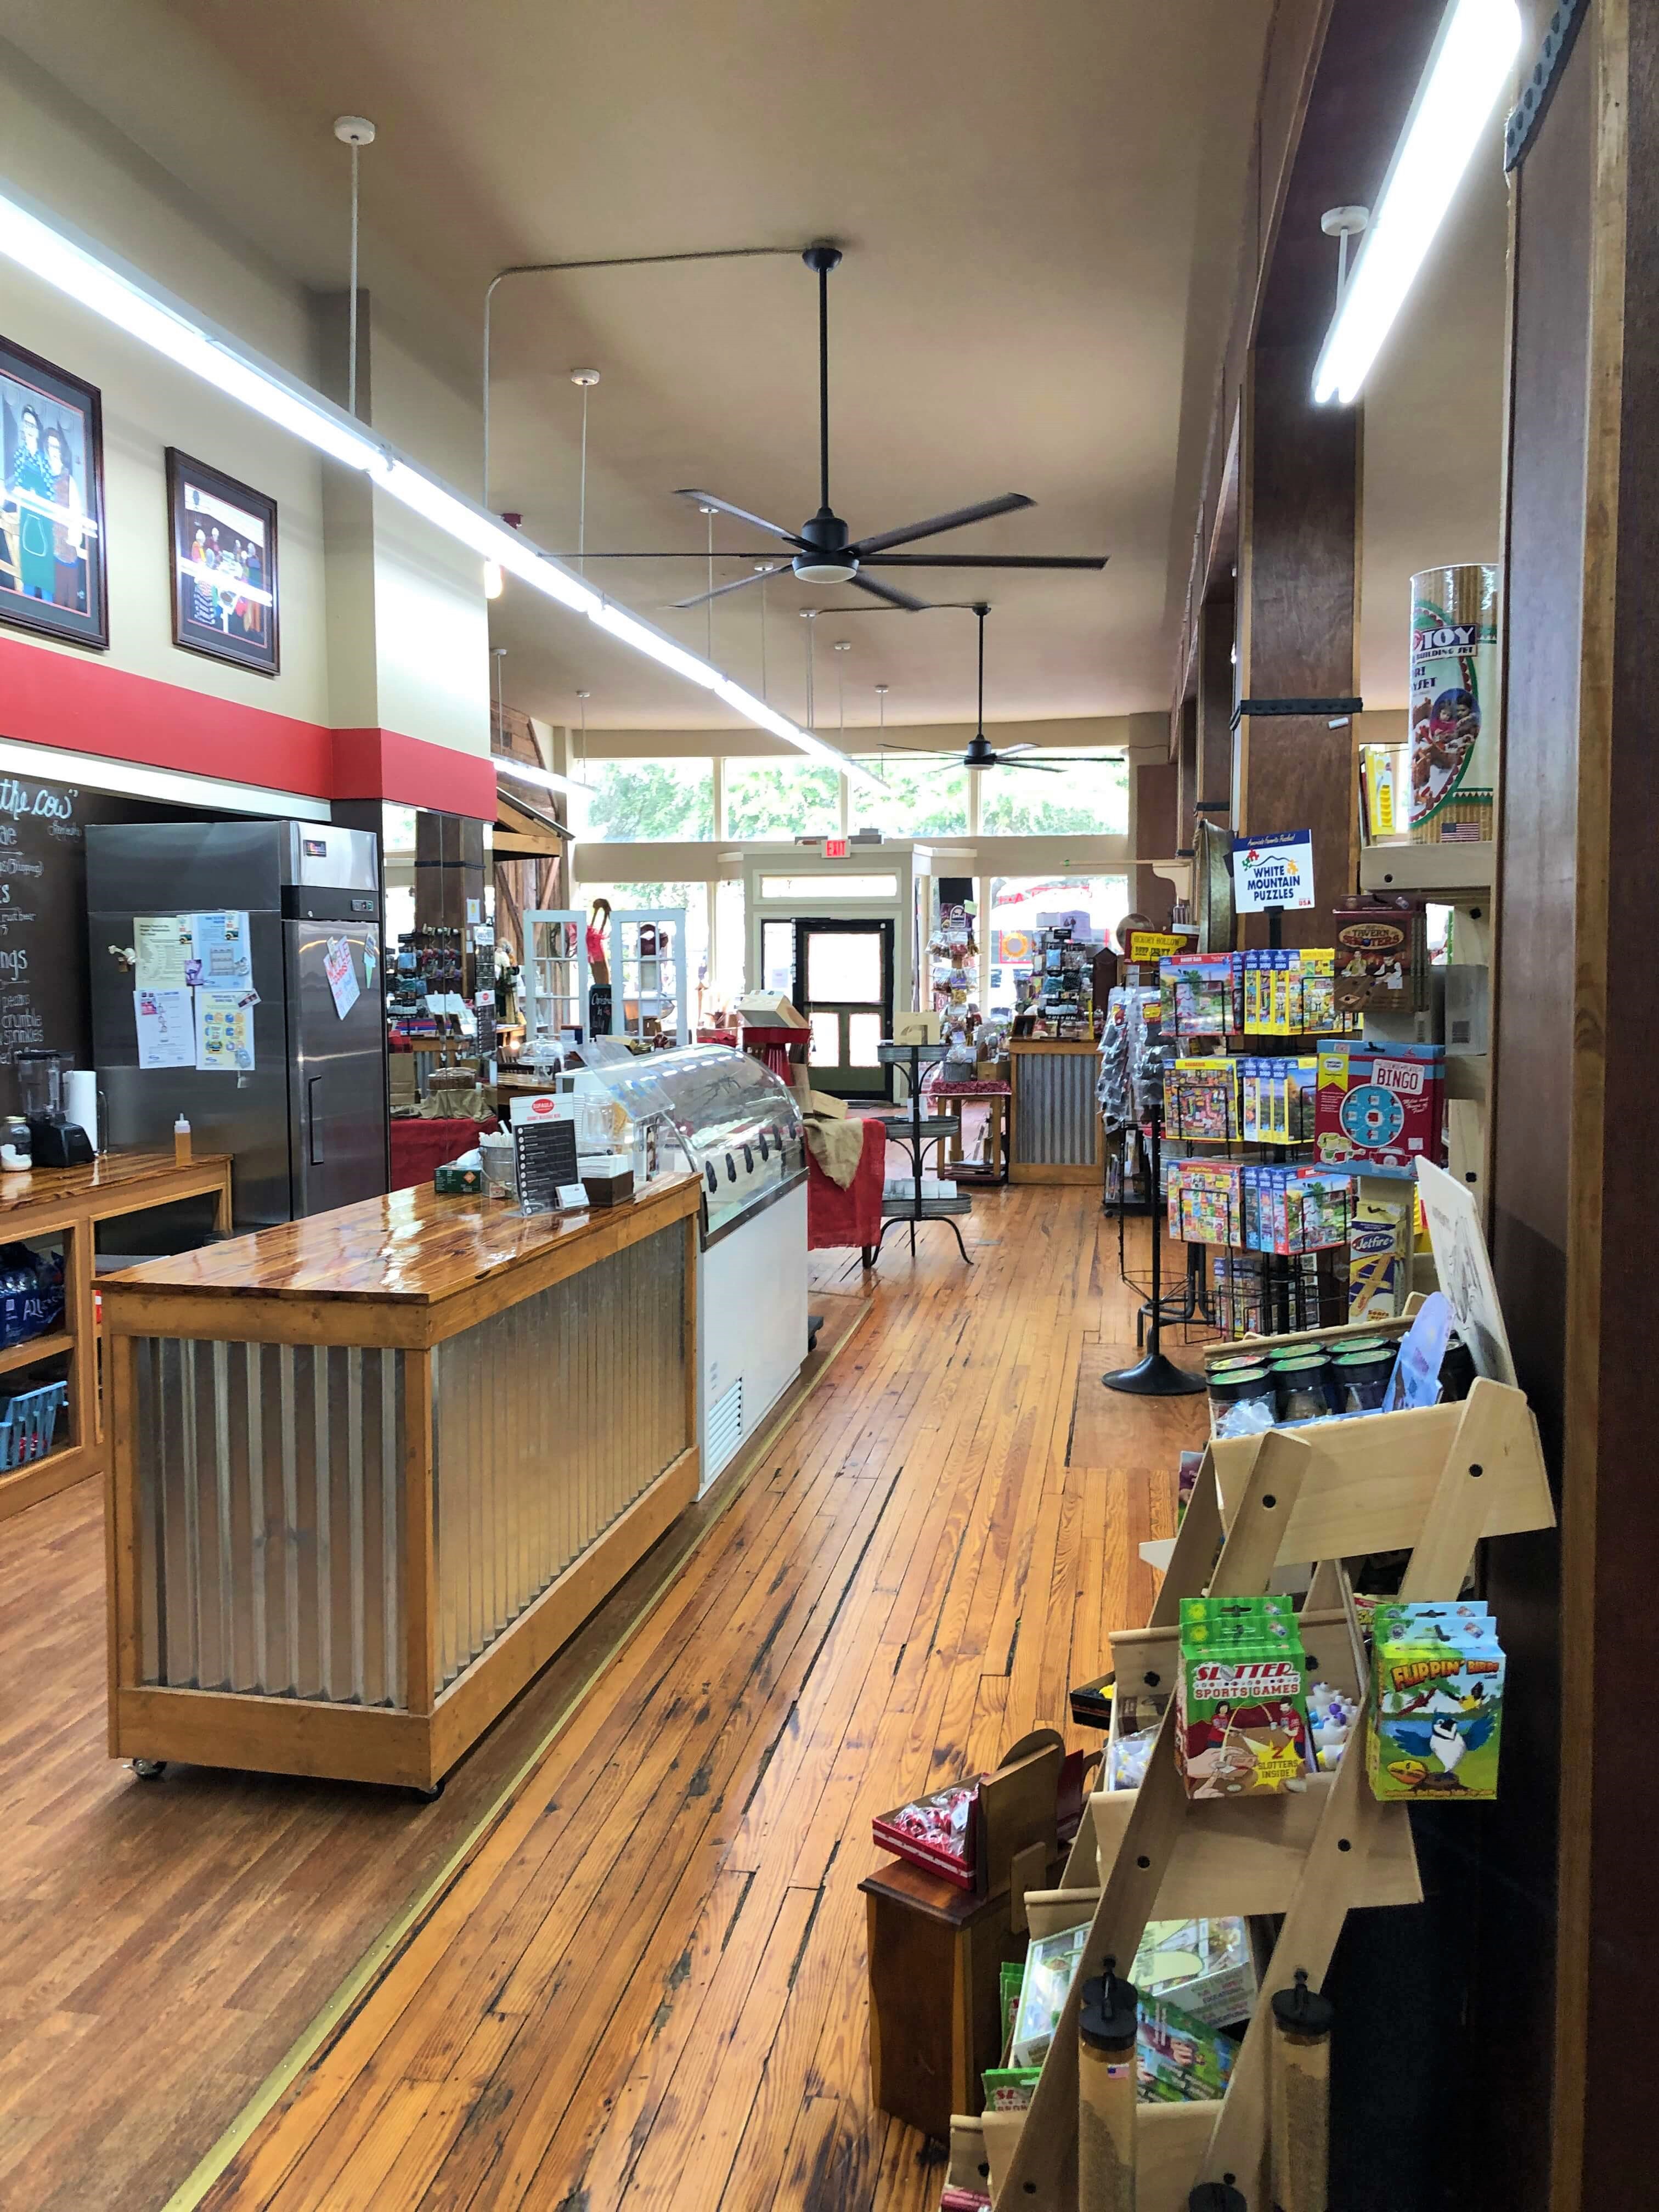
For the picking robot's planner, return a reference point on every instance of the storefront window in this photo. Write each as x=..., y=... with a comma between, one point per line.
x=780, y=799
x=927, y=797
x=1021, y=905
x=1089, y=797
x=645, y=801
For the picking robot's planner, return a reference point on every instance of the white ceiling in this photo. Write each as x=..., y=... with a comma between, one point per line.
x=1039, y=206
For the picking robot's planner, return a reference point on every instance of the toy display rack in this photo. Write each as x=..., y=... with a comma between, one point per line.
x=1433, y=1481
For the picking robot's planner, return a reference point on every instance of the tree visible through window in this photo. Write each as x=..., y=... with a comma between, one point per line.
x=1090, y=798
x=645, y=801
x=776, y=799
x=928, y=797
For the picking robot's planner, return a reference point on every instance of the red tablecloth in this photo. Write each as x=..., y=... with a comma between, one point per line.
x=852, y=1216
x=420, y=1148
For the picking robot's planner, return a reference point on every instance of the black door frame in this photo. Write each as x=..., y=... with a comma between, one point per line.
x=847, y=924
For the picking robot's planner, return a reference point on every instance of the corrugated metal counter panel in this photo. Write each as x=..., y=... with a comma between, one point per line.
x=548, y=1420
x=267, y=1519
x=1054, y=1110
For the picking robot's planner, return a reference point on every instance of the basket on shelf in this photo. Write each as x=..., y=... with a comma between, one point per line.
x=28, y=1420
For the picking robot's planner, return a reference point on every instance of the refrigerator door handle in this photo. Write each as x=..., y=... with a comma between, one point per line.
x=314, y=1120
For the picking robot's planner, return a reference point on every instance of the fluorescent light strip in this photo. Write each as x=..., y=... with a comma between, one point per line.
x=1469, y=66
x=55, y=251
x=549, y=779
x=92, y=772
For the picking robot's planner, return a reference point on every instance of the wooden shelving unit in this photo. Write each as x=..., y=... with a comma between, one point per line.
x=1434, y=1482
x=1452, y=875
x=64, y=1206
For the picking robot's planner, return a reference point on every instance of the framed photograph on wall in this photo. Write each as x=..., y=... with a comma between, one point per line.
x=224, y=566
x=52, y=500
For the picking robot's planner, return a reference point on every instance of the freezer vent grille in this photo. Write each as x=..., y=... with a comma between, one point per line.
x=725, y=1431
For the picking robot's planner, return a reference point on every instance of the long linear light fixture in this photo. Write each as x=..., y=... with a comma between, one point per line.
x=1473, y=54
x=546, y=779
x=60, y=255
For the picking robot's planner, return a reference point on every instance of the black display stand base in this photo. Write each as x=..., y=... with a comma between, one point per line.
x=1154, y=1376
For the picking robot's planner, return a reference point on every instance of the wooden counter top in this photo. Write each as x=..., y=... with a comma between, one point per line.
x=1051, y=1044
x=115, y=1174
x=409, y=1248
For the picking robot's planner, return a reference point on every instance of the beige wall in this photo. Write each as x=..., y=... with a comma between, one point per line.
x=384, y=620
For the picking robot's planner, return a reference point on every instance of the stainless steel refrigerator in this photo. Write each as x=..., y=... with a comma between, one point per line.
x=306, y=1122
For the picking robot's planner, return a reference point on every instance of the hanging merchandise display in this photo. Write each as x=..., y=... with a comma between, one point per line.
x=1454, y=704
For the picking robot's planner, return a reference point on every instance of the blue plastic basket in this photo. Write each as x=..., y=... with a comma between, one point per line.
x=27, y=1423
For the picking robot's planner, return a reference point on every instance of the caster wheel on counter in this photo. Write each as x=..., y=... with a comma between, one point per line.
x=150, y=1770
x=430, y=1796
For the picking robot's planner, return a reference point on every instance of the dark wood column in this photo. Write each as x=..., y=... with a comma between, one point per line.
x=1154, y=838
x=1217, y=691
x=1566, y=1955
x=1298, y=589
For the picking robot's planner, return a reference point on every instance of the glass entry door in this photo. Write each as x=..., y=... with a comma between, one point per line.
x=844, y=986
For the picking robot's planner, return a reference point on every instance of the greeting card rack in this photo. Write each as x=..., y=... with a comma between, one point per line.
x=1434, y=1481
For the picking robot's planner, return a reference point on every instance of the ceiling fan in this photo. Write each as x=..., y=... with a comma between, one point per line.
x=980, y=754
x=826, y=550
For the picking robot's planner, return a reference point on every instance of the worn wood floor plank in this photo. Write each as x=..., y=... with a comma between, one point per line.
x=646, y=1986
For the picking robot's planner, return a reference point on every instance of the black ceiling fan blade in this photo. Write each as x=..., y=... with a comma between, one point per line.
x=1031, y=767
x=886, y=592
x=720, y=590
x=742, y=515
x=959, y=519
x=984, y=560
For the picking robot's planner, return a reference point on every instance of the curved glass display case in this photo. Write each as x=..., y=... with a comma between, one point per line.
x=736, y=1124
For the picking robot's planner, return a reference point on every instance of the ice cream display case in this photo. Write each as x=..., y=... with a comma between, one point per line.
x=737, y=1125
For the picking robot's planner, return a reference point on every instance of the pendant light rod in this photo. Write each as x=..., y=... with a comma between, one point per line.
x=607, y=261
x=355, y=131
x=822, y=257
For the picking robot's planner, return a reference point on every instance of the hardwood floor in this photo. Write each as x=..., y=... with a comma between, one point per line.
x=645, y=1984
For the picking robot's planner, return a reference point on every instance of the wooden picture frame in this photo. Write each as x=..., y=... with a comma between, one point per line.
x=219, y=527
x=53, y=568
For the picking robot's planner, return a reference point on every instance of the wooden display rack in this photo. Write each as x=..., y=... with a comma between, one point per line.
x=1434, y=1482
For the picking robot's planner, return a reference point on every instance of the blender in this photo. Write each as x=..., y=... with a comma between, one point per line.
x=55, y=1142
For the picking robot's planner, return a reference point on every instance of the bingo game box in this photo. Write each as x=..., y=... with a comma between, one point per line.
x=1380, y=1107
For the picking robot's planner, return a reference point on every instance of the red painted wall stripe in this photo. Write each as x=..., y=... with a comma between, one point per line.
x=87, y=705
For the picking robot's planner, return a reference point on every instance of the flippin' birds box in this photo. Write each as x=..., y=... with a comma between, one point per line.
x=1437, y=1703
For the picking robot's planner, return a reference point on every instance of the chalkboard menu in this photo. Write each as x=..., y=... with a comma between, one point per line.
x=46, y=995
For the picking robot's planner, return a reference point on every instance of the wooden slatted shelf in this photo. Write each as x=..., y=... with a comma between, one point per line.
x=1434, y=1482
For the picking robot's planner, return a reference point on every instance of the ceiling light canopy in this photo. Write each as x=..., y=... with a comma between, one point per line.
x=1474, y=55
x=41, y=242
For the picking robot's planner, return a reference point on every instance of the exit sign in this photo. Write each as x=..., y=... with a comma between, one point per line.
x=835, y=848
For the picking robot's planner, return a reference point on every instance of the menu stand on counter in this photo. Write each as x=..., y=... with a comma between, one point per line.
x=915, y=1135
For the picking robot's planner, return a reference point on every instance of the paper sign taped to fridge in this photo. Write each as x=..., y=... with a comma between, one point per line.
x=221, y=954
x=160, y=945
x=342, y=973
x=224, y=1032
x=167, y=1029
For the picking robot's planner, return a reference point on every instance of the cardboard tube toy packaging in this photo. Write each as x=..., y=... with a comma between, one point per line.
x=1454, y=704
x=1107, y=2028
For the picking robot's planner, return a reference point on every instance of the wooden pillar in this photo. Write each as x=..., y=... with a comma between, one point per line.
x=1576, y=1106
x=1185, y=767
x=1217, y=691
x=1155, y=839
x=1299, y=607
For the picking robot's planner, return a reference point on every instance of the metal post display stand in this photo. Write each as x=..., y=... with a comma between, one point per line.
x=1156, y=1375
x=914, y=1136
